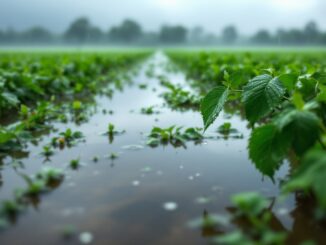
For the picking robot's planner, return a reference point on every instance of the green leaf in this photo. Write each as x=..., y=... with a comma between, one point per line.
x=321, y=97
x=212, y=104
x=250, y=203
x=302, y=125
x=297, y=100
x=310, y=175
x=10, y=98
x=261, y=95
x=288, y=80
x=267, y=148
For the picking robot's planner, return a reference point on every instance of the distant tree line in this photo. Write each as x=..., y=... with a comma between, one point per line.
x=82, y=31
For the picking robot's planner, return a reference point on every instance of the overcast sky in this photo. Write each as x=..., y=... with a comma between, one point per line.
x=213, y=15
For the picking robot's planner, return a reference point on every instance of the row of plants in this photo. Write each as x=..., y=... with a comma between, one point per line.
x=283, y=98
x=27, y=78
x=39, y=90
x=36, y=89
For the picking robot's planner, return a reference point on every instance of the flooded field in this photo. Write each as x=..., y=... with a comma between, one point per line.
x=126, y=192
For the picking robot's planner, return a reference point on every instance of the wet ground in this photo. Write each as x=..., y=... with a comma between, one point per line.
x=146, y=195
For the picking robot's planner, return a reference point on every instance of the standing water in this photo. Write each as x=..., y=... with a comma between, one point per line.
x=135, y=194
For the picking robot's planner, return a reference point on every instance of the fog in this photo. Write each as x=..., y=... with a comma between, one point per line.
x=270, y=22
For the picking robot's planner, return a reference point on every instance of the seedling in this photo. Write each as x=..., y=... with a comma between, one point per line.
x=148, y=110
x=47, y=151
x=227, y=131
x=178, y=98
x=174, y=136
x=113, y=156
x=111, y=132
x=75, y=163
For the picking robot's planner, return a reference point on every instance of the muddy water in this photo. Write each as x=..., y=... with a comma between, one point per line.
x=121, y=201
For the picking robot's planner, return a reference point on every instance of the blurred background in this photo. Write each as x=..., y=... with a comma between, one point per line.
x=155, y=23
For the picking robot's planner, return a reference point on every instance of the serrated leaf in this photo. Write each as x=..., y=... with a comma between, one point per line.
x=212, y=104
x=267, y=148
x=261, y=95
x=302, y=125
x=10, y=98
x=298, y=101
x=288, y=80
x=310, y=175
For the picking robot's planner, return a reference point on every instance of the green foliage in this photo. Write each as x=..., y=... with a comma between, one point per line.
x=288, y=105
x=261, y=95
x=268, y=147
x=178, y=98
x=212, y=105
x=48, y=74
x=42, y=182
x=250, y=222
x=75, y=163
x=67, y=138
x=173, y=135
x=13, y=137
x=269, y=144
x=310, y=176
x=148, y=110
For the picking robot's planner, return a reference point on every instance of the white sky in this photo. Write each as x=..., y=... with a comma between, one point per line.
x=213, y=15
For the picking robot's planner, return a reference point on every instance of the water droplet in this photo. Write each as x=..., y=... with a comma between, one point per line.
x=197, y=174
x=217, y=188
x=146, y=169
x=71, y=184
x=136, y=183
x=86, y=237
x=191, y=177
x=203, y=200
x=181, y=167
x=133, y=147
x=170, y=206
x=283, y=211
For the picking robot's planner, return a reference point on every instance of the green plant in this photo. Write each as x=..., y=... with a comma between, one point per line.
x=75, y=163
x=179, y=98
x=47, y=151
x=173, y=135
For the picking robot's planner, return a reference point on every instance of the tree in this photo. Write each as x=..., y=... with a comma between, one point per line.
x=2, y=36
x=37, y=35
x=262, y=37
x=95, y=34
x=10, y=36
x=173, y=34
x=229, y=34
x=311, y=32
x=196, y=35
x=129, y=31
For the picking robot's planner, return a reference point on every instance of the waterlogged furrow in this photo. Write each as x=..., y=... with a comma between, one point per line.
x=140, y=168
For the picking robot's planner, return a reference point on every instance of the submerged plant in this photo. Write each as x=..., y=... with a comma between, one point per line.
x=111, y=132
x=75, y=163
x=249, y=222
x=227, y=131
x=148, y=110
x=173, y=135
x=67, y=138
x=179, y=98
x=47, y=151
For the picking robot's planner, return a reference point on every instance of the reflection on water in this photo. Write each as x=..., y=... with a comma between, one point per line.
x=145, y=195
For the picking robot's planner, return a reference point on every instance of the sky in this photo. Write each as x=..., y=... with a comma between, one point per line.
x=247, y=15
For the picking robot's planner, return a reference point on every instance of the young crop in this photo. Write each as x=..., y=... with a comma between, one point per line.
x=284, y=105
x=178, y=98
x=173, y=135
